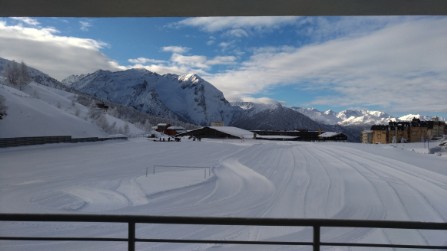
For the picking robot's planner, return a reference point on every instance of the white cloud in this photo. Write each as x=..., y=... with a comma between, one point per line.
x=401, y=67
x=142, y=60
x=175, y=49
x=237, y=25
x=180, y=63
x=238, y=32
x=58, y=56
x=85, y=25
x=222, y=60
x=27, y=20
x=194, y=61
x=226, y=45
x=261, y=100
x=166, y=68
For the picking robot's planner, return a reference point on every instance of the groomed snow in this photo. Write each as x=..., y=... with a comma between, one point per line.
x=249, y=179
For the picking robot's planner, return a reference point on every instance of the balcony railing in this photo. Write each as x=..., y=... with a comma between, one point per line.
x=316, y=224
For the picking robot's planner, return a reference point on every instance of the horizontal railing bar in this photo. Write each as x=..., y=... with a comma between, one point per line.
x=225, y=221
x=201, y=167
x=131, y=220
x=377, y=245
x=284, y=243
x=15, y=238
x=287, y=243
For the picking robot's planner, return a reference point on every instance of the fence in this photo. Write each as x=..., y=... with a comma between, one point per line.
x=26, y=141
x=316, y=224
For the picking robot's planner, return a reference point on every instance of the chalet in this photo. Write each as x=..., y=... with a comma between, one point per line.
x=332, y=136
x=174, y=130
x=161, y=127
x=220, y=132
x=167, y=129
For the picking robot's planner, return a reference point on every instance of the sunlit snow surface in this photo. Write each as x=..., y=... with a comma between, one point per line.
x=248, y=179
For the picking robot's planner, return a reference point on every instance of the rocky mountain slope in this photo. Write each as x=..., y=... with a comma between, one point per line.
x=272, y=117
x=187, y=97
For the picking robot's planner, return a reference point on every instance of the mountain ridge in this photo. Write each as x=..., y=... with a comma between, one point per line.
x=185, y=97
x=191, y=99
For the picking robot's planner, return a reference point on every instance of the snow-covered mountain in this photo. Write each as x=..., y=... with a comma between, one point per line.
x=37, y=76
x=186, y=97
x=272, y=117
x=359, y=117
x=346, y=117
x=71, y=79
x=409, y=117
x=40, y=110
x=251, y=108
x=328, y=117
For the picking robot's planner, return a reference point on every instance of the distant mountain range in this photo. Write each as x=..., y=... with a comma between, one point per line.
x=354, y=117
x=191, y=99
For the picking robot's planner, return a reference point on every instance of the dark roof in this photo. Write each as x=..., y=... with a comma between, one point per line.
x=379, y=127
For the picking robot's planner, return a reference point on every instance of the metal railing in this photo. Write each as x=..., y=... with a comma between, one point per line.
x=316, y=224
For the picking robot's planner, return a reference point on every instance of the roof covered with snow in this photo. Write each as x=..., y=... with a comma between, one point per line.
x=176, y=128
x=283, y=137
x=234, y=131
x=328, y=134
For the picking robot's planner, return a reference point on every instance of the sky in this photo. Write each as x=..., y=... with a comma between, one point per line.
x=396, y=64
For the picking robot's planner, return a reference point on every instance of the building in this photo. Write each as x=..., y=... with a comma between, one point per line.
x=174, y=130
x=380, y=134
x=167, y=129
x=277, y=137
x=332, y=136
x=367, y=136
x=220, y=132
x=419, y=130
x=161, y=127
x=438, y=128
x=301, y=135
x=413, y=131
x=398, y=132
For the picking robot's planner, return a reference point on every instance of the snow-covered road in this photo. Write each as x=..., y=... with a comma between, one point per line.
x=250, y=179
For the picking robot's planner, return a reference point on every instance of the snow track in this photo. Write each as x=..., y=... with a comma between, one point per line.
x=251, y=179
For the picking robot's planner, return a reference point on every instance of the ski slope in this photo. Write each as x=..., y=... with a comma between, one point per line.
x=248, y=179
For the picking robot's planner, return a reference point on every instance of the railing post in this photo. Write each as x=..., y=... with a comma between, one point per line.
x=131, y=237
x=316, y=237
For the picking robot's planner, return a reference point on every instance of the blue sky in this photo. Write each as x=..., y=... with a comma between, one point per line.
x=393, y=64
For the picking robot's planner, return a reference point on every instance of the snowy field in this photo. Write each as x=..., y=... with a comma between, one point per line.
x=248, y=179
